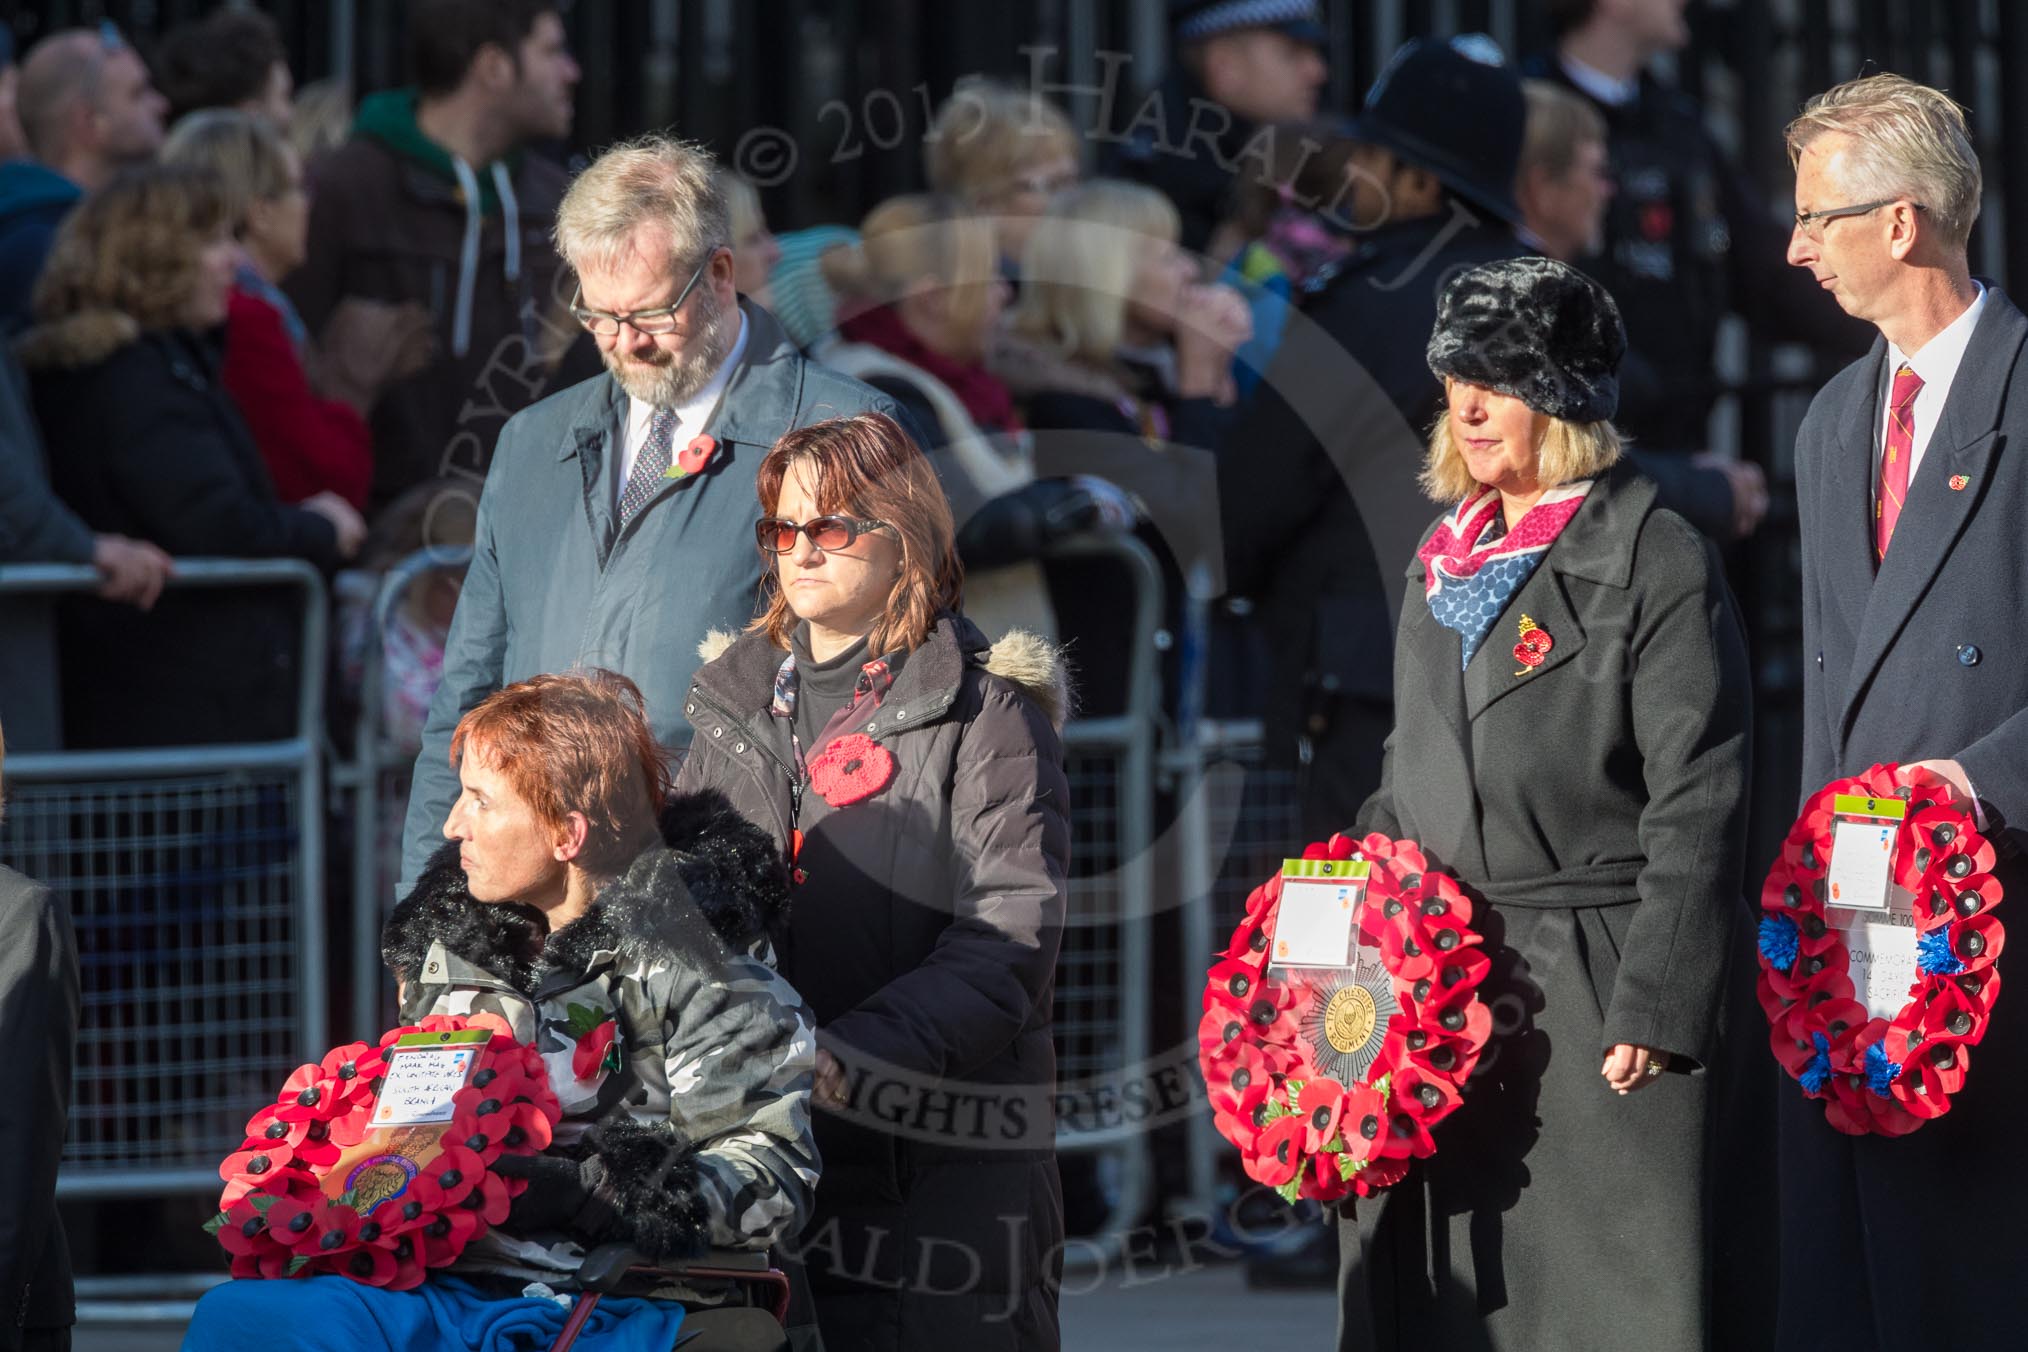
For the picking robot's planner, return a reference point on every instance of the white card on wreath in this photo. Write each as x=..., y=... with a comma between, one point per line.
x=1875, y=918
x=424, y=1072
x=1317, y=917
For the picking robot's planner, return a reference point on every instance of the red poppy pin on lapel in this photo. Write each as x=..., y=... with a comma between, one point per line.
x=693, y=458
x=1958, y=482
x=1534, y=646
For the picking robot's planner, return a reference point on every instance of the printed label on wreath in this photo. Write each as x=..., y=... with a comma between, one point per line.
x=1862, y=851
x=1875, y=918
x=423, y=1071
x=1320, y=903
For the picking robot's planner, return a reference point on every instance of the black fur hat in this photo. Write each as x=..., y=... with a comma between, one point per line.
x=1536, y=329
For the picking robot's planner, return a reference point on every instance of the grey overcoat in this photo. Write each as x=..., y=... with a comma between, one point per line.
x=1596, y=805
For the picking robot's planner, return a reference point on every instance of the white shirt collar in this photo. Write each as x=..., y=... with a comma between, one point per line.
x=1601, y=86
x=691, y=414
x=1937, y=360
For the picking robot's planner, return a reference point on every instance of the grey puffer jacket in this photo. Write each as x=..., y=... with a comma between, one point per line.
x=924, y=934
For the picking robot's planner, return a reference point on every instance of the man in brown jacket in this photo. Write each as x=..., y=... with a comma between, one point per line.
x=435, y=201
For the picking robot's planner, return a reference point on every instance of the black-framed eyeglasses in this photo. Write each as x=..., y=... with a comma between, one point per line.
x=606, y=324
x=777, y=534
x=1812, y=223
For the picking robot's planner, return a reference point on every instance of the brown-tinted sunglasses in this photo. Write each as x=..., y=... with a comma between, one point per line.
x=777, y=534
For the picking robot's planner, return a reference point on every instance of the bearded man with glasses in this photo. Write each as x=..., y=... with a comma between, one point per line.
x=616, y=525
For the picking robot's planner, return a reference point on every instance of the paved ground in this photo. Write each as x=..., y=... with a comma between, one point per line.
x=1207, y=1309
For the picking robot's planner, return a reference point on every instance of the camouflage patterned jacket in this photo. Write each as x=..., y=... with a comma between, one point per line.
x=696, y=1056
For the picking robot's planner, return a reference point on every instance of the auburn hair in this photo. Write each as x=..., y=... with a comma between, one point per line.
x=577, y=742
x=866, y=466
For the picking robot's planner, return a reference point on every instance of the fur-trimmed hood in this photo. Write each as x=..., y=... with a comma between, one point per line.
x=712, y=860
x=1028, y=661
x=76, y=340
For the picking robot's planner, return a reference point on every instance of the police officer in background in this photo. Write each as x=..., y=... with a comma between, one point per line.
x=1317, y=481
x=1235, y=67
x=1687, y=238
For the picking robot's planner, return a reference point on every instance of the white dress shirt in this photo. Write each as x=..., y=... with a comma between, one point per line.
x=1936, y=363
x=691, y=415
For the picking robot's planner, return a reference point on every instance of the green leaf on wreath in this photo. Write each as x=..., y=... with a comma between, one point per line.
x=215, y=1224
x=1347, y=1167
x=262, y=1201
x=1336, y=1145
x=1295, y=1091
x=350, y=1197
x=297, y=1263
x=1384, y=1086
x=1291, y=1190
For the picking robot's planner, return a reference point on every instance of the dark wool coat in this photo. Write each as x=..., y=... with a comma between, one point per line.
x=925, y=937
x=1596, y=804
x=1926, y=660
x=38, y=1027
x=702, y=1133
x=143, y=441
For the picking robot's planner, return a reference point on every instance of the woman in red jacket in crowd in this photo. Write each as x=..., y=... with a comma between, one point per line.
x=311, y=444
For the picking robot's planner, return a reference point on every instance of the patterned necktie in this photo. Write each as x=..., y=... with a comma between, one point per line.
x=1894, y=461
x=651, y=466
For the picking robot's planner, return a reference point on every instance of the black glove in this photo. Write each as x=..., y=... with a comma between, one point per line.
x=563, y=1194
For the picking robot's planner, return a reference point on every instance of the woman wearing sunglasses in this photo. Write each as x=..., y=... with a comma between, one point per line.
x=913, y=773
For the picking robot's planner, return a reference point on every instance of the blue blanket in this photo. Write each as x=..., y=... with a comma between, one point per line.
x=334, y=1314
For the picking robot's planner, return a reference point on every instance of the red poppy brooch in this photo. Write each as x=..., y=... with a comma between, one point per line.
x=850, y=769
x=1534, y=646
x=692, y=458
x=597, y=1052
x=317, y=1188
x=1329, y=1080
x=1882, y=1075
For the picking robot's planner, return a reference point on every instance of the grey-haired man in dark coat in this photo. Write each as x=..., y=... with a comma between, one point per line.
x=616, y=525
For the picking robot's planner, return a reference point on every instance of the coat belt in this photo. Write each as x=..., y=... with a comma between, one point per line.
x=1612, y=884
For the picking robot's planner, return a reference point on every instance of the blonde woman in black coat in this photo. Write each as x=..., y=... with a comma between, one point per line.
x=1570, y=742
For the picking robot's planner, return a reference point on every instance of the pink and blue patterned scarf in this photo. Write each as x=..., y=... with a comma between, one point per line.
x=1475, y=564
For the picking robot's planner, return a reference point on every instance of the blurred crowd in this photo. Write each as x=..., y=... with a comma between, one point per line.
x=249, y=319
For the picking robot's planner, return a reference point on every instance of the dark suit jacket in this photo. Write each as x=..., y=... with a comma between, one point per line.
x=1927, y=659
x=1930, y=658
x=38, y=1032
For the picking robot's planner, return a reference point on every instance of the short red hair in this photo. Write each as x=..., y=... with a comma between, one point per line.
x=574, y=743
x=867, y=466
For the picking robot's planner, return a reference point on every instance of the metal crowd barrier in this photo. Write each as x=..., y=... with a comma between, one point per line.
x=376, y=781
x=195, y=881
x=1236, y=819
x=1104, y=975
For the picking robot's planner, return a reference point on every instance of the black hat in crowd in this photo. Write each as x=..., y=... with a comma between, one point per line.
x=1458, y=115
x=1534, y=328
x=1196, y=20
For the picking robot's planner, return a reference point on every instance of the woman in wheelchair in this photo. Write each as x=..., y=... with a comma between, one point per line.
x=626, y=934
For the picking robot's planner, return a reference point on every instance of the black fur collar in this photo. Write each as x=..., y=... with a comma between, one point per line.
x=713, y=860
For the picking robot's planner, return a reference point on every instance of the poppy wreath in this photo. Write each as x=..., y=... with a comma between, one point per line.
x=1266, y=1040
x=1883, y=1076
x=275, y=1218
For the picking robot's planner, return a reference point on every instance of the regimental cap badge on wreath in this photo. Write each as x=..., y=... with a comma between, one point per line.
x=1534, y=646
